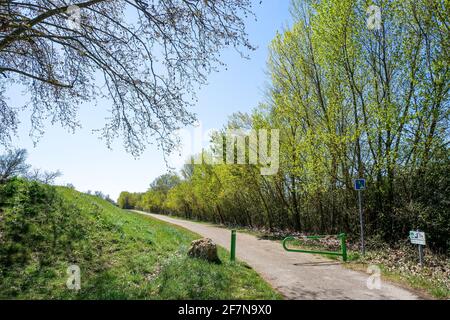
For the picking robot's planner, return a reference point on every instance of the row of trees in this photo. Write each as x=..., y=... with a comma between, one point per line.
x=154, y=200
x=349, y=102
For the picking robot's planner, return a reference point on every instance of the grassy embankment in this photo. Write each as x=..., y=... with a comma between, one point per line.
x=121, y=255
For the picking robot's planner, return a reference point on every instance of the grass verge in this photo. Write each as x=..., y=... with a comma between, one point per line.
x=121, y=256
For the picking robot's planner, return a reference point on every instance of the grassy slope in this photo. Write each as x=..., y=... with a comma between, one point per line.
x=128, y=256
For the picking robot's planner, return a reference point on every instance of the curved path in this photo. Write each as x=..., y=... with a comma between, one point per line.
x=295, y=275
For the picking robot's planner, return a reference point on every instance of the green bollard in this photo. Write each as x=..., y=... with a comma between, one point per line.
x=343, y=247
x=233, y=246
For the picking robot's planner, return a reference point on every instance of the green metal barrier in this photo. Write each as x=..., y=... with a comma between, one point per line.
x=343, y=252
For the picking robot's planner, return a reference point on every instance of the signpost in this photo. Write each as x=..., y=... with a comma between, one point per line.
x=360, y=184
x=418, y=237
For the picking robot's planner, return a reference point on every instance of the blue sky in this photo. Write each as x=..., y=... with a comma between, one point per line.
x=87, y=163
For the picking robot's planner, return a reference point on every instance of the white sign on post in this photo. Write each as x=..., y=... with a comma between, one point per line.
x=417, y=237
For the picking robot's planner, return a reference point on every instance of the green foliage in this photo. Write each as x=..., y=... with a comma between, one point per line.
x=153, y=200
x=349, y=102
x=122, y=255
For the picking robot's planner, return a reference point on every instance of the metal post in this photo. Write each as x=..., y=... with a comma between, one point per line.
x=233, y=246
x=361, y=221
x=420, y=252
x=343, y=247
x=421, y=255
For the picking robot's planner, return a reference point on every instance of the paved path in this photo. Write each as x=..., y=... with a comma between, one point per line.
x=295, y=275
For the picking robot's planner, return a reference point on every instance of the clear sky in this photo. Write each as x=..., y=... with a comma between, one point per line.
x=87, y=163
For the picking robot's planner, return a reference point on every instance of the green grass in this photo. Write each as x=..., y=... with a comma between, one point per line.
x=124, y=255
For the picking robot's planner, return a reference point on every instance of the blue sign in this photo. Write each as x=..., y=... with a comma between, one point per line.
x=360, y=184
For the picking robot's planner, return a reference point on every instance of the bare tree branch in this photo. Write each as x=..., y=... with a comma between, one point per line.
x=146, y=57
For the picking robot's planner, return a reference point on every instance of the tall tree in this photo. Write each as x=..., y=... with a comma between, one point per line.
x=13, y=163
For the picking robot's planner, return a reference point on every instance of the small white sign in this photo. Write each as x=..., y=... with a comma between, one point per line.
x=417, y=237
